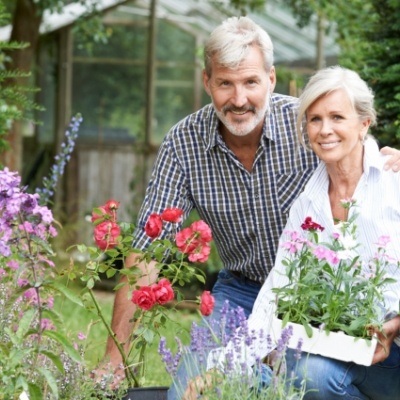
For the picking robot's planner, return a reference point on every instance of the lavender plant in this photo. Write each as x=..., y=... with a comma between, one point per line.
x=60, y=161
x=235, y=382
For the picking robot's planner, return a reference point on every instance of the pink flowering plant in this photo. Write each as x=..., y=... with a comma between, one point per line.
x=176, y=254
x=37, y=355
x=329, y=286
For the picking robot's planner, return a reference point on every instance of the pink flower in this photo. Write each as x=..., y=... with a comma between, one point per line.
x=194, y=241
x=200, y=254
x=22, y=282
x=383, y=241
x=144, y=297
x=81, y=336
x=46, y=324
x=163, y=291
x=172, y=215
x=292, y=247
x=310, y=225
x=207, y=303
x=106, y=235
x=31, y=296
x=153, y=227
x=13, y=264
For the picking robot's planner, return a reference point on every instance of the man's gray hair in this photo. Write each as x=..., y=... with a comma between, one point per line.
x=230, y=43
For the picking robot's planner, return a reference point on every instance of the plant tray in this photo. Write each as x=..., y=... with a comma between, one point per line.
x=335, y=345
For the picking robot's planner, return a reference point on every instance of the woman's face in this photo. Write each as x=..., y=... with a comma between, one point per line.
x=335, y=129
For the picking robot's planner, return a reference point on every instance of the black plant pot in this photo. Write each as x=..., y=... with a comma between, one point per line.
x=147, y=393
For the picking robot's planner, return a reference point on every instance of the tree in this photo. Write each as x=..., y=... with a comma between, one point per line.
x=368, y=35
x=27, y=16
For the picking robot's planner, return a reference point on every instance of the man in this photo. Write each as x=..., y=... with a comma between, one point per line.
x=236, y=161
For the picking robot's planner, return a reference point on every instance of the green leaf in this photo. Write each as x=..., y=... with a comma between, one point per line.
x=25, y=323
x=50, y=379
x=148, y=335
x=67, y=346
x=35, y=393
x=308, y=329
x=55, y=359
x=68, y=293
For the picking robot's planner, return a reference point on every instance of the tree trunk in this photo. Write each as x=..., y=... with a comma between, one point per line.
x=25, y=28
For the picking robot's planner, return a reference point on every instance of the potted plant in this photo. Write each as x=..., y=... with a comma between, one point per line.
x=175, y=255
x=329, y=295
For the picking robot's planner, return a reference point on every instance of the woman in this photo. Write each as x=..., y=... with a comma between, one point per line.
x=335, y=113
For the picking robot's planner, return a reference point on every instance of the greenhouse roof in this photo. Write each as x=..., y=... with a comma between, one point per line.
x=200, y=17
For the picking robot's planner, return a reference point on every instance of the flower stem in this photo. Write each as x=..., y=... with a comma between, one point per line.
x=128, y=373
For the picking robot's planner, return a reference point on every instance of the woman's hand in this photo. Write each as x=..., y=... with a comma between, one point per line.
x=385, y=336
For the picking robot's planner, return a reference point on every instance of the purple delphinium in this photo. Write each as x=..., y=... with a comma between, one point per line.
x=61, y=160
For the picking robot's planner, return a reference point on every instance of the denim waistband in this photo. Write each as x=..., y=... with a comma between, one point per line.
x=244, y=278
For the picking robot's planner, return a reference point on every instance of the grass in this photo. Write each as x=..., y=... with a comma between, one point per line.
x=78, y=319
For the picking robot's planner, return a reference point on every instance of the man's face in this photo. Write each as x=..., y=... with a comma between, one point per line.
x=240, y=96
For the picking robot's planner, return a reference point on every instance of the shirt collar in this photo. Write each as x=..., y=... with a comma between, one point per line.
x=373, y=159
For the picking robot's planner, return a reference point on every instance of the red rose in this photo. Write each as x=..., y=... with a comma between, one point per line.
x=194, y=241
x=310, y=225
x=144, y=297
x=108, y=209
x=172, y=215
x=200, y=254
x=163, y=291
x=111, y=206
x=207, y=303
x=106, y=235
x=186, y=240
x=153, y=226
x=203, y=231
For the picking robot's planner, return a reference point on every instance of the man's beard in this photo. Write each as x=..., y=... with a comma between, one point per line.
x=241, y=128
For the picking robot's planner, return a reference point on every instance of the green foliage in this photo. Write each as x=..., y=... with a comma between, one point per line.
x=368, y=34
x=378, y=62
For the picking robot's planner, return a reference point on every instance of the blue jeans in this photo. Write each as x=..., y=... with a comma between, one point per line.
x=328, y=379
x=240, y=292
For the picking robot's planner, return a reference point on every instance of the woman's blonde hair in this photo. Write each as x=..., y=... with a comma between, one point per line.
x=328, y=80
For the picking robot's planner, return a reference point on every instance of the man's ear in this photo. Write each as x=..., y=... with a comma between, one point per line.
x=206, y=81
x=272, y=79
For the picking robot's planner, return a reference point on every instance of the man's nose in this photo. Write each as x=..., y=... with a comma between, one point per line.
x=239, y=97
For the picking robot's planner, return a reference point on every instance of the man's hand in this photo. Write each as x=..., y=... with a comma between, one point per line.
x=385, y=339
x=201, y=384
x=394, y=161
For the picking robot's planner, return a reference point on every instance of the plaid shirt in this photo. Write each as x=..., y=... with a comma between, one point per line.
x=246, y=211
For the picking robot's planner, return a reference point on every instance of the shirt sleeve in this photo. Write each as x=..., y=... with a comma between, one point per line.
x=167, y=188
